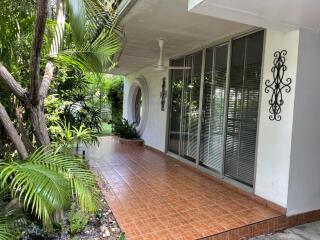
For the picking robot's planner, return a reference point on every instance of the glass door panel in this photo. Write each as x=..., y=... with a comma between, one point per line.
x=190, y=108
x=229, y=114
x=213, y=116
x=243, y=104
x=175, y=107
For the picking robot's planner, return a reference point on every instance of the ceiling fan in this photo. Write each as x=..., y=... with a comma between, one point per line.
x=160, y=65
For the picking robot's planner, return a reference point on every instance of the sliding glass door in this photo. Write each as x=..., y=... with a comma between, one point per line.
x=176, y=85
x=243, y=102
x=213, y=113
x=223, y=137
x=190, y=108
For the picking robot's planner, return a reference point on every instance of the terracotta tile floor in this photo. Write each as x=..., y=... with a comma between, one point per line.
x=156, y=197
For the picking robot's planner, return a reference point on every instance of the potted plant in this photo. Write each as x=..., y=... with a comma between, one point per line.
x=126, y=132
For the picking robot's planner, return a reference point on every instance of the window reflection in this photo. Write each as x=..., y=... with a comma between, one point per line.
x=138, y=107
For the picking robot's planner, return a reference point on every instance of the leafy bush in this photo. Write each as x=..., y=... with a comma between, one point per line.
x=115, y=96
x=47, y=180
x=122, y=128
x=12, y=218
x=78, y=220
x=75, y=99
x=65, y=136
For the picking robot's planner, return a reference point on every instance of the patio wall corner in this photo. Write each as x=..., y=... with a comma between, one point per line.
x=274, y=137
x=304, y=188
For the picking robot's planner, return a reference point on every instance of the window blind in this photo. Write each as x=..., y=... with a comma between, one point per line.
x=212, y=141
x=243, y=102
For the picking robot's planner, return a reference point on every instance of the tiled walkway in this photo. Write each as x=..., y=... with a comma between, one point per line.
x=156, y=197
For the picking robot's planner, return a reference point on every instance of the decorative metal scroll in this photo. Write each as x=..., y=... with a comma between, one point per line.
x=278, y=85
x=163, y=94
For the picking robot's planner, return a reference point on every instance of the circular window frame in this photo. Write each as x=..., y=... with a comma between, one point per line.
x=141, y=83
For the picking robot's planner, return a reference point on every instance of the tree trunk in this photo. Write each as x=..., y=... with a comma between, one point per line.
x=22, y=130
x=37, y=42
x=37, y=116
x=33, y=100
x=39, y=126
x=12, y=132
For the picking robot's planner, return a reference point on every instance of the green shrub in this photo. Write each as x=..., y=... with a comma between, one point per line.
x=122, y=128
x=78, y=219
x=47, y=180
x=115, y=96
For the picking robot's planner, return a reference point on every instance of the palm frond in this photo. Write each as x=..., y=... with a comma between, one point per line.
x=41, y=190
x=94, y=57
x=11, y=220
x=97, y=36
x=84, y=135
x=81, y=180
x=6, y=229
x=46, y=181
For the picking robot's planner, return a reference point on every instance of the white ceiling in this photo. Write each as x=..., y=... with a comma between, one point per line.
x=183, y=31
x=284, y=15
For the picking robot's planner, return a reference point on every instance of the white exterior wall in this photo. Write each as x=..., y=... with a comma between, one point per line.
x=154, y=134
x=304, y=185
x=274, y=137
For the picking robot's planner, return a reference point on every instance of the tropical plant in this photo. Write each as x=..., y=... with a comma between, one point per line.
x=47, y=180
x=10, y=222
x=122, y=237
x=78, y=219
x=124, y=129
x=115, y=96
x=84, y=99
x=16, y=28
x=12, y=217
x=76, y=98
x=66, y=136
x=87, y=36
x=81, y=35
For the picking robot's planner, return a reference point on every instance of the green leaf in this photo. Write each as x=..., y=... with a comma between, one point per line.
x=97, y=37
x=45, y=182
x=122, y=237
x=41, y=190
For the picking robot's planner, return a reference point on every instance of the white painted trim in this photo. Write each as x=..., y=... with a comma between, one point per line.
x=212, y=9
x=141, y=83
x=124, y=7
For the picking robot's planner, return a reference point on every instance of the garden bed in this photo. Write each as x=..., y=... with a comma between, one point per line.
x=101, y=225
x=132, y=142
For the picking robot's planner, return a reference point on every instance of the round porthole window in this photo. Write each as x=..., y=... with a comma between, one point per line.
x=138, y=103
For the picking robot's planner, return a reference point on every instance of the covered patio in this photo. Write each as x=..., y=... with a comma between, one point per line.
x=154, y=196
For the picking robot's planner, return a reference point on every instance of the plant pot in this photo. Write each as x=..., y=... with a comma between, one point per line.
x=132, y=142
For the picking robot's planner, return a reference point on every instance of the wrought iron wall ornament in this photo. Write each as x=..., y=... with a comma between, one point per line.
x=278, y=85
x=163, y=94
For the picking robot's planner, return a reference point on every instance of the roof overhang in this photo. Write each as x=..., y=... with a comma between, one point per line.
x=145, y=21
x=283, y=15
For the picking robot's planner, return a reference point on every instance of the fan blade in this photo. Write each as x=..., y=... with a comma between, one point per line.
x=161, y=44
x=181, y=68
x=159, y=68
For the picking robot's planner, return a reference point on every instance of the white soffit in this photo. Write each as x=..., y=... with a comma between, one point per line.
x=182, y=30
x=282, y=15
